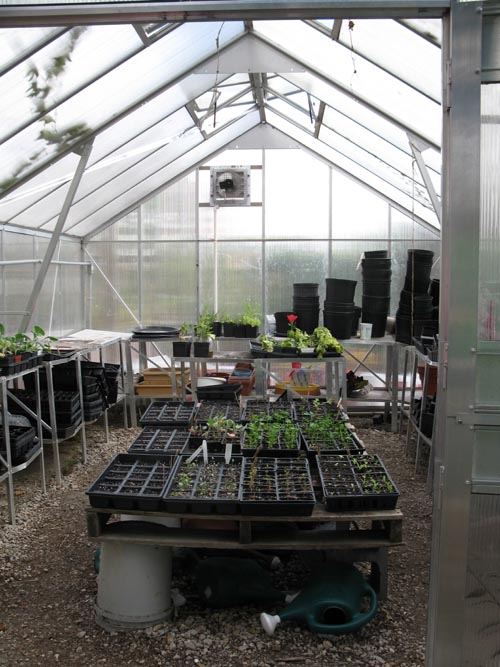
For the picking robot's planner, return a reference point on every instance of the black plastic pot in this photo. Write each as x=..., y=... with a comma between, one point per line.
x=250, y=331
x=376, y=274
x=306, y=301
x=405, y=332
x=421, y=255
x=376, y=304
x=417, y=286
x=228, y=329
x=339, y=324
x=308, y=319
x=434, y=291
x=282, y=322
x=376, y=288
x=240, y=331
x=305, y=289
x=355, y=320
x=375, y=254
x=338, y=306
x=376, y=263
x=181, y=348
x=201, y=348
x=338, y=289
x=217, y=329
x=378, y=320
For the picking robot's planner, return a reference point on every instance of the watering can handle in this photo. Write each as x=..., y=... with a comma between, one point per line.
x=357, y=621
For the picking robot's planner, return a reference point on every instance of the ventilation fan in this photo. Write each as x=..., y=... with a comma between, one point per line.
x=230, y=186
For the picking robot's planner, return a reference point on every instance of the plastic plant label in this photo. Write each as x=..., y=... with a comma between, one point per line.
x=228, y=452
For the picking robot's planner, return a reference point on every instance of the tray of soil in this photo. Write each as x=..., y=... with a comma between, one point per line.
x=169, y=413
x=356, y=482
x=210, y=409
x=132, y=482
x=272, y=435
x=160, y=442
x=325, y=433
x=205, y=488
x=317, y=407
x=261, y=408
x=19, y=438
x=276, y=487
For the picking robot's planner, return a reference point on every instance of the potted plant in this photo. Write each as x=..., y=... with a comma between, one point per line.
x=324, y=342
x=251, y=320
x=204, y=334
x=239, y=327
x=227, y=325
x=182, y=347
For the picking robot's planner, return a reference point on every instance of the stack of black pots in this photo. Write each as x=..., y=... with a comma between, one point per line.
x=377, y=274
x=339, y=307
x=306, y=305
x=415, y=303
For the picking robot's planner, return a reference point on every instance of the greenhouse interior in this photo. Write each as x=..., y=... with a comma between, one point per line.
x=250, y=333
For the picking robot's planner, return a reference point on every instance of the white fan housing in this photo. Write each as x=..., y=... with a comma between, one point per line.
x=230, y=186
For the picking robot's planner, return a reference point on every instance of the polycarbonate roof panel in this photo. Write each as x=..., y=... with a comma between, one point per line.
x=224, y=116
x=186, y=161
x=118, y=178
x=108, y=178
x=150, y=70
x=430, y=29
x=36, y=189
x=59, y=69
x=16, y=43
x=395, y=48
x=356, y=75
x=350, y=167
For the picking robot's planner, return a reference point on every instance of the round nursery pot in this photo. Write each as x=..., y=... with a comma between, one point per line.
x=434, y=291
x=422, y=300
x=355, y=320
x=338, y=289
x=251, y=331
x=375, y=254
x=228, y=329
x=339, y=324
x=201, y=348
x=376, y=288
x=421, y=255
x=308, y=320
x=416, y=286
x=376, y=274
x=378, y=320
x=240, y=331
x=305, y=289
x=404, y=330
x=306, y=301
x=376, y=263
x=181, y=348
x=217, y=329
x=281, y=319
x=376, y=304
x=339, y=306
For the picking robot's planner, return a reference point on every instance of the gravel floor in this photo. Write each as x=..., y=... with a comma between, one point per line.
x=48, y=586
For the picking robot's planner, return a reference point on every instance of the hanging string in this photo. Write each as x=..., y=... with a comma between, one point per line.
x=214, y=98
x=353, y=55
x=413, y=176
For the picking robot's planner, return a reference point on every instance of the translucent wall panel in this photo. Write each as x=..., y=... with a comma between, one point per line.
x=406, y=229
x=231, y=222
x=119, y=261
x=297, y=195
x=239, y=275
x=289, y=262
x=169, y=283
x=357, y=213
x=489, y=265
x=172, y=213
x=126, y=229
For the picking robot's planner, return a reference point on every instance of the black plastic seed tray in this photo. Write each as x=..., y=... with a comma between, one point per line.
x=169, y=413
x=210, y=409
x=356, y=482
x=160, y=442
x=92, y=410
x=337, y=439
x=199, y=488
x=26, y=453
x=65, y=401
x=276, y=487
x=262, y=408
x=215, y=445
x=18, y=436
x=310, y=407
x=132, y=482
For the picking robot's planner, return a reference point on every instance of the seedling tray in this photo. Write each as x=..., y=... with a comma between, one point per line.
x=276, y=487
x=26, y=453
x=160, y=442
x=276, y=448
x=210, y=409
x=132, y=482
x=338, y=439
x=302, y=409
x=205, y=489
x=262, y=408
x=65, y=401
x=169, y=413
x=356, y=482
x=19, y=438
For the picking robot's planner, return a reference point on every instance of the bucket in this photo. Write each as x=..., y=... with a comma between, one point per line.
x=331, y=603
x=134, y=585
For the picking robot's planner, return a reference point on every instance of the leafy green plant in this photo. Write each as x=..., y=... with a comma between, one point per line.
x=323, y=340
x=251, y=315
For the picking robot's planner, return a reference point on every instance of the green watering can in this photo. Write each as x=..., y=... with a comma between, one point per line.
x=331, y=603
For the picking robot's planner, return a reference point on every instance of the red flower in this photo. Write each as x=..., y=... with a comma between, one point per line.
x=292, y=318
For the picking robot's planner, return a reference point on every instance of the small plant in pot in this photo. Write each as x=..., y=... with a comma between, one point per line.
x=182, y=347
x=227, y=325
x=217, y=432
x=251, y=320
x=203, y=335
x=324, y=342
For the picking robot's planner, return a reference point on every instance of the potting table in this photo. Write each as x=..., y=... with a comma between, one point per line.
x=350, y=536
x=363, y=353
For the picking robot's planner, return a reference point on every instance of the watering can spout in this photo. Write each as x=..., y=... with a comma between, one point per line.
x=269, y=622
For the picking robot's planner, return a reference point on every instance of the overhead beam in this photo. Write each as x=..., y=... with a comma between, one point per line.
x=424, y=172
x=258, y=92
x=56, y=234
x=335, y=35
x=149, y=12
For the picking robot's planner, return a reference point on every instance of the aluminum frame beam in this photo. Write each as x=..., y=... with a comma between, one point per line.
x=424, y=172
x=114, y=13
x=54, y=240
